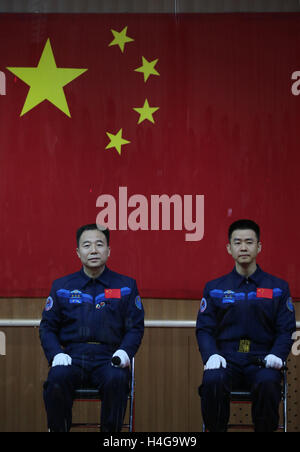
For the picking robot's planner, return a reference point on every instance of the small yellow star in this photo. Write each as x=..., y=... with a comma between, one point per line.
x=146, y=112
x=116, y=141
x=147, y=68
x=120, y=39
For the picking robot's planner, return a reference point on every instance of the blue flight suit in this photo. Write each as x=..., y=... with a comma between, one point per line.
x=89, y=319
x=243, y=319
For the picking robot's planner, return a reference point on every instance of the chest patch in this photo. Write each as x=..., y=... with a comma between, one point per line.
x=264, y=293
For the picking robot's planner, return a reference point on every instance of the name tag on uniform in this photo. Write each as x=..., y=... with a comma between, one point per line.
x=264, y=293
x=228, y=296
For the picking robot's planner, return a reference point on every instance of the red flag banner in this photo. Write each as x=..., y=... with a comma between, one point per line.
x=165, y=128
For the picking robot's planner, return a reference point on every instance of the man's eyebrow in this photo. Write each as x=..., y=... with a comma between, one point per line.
x=89, y=241
x=237, y=239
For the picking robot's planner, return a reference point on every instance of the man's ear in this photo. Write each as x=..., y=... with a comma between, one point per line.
x=77, y=252
x=259, y=247
x=228, y=247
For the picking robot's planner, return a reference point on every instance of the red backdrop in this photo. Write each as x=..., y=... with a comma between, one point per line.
x=227, y=128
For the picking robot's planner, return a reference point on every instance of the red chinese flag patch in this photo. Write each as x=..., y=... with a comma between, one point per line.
x=112, y=293
x=264, y=293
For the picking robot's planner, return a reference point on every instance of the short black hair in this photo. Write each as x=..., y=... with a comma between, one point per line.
x=91, y=227
x=244, y=224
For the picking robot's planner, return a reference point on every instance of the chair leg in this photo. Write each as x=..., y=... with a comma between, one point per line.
x=284, y=397
x=132, y=404
x=285, y=407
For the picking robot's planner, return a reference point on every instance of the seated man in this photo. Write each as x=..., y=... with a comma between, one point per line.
x=244, y=316
x=89, y=317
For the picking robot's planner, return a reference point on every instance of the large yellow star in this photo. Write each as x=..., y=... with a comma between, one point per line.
x=116, y=141
x=120, y=39
x=46, y=81
x=147, y=68
x=146, y=112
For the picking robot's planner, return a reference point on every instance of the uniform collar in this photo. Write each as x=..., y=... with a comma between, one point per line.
x=102, y=279
x=255, y=277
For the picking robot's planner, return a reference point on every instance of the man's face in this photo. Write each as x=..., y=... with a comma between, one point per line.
x=93, y=250
x=244, y=246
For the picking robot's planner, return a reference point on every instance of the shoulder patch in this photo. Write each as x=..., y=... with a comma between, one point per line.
x=203, y=305
x=289, y=304
x=49, y=304
x=138, y=302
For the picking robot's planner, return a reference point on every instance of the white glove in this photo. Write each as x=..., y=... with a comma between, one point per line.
x=273, y=361
x=215, y=362
x=61, y=359
x=125, y=361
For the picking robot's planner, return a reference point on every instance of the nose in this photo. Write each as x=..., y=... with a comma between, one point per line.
x=243, y=246
x=93, y=248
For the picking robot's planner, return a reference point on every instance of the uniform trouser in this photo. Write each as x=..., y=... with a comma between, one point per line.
x=112, y=382
x=265, y=387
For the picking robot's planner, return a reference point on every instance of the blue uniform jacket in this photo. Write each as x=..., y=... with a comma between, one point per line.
x=107, y=309
x=259, y=309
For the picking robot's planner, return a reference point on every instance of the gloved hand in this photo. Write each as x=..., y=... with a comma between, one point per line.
x=273, y=362
x=215, y=362
x=61, y=359
x=125, y=361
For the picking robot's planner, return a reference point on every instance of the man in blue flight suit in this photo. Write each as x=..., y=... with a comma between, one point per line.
x=89, y=317
x=244, y=316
